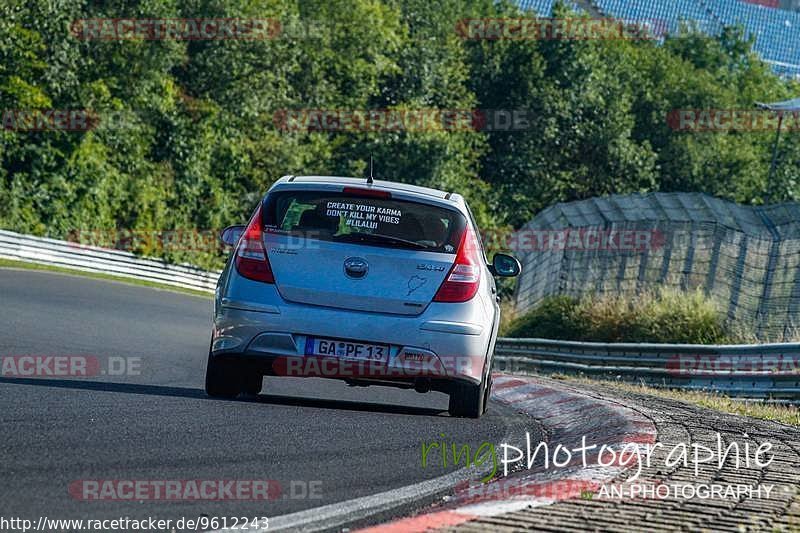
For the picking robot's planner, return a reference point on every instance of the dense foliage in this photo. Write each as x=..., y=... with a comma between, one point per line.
x=199, y=143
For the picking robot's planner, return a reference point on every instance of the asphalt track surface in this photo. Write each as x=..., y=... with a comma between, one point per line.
x=159, y=425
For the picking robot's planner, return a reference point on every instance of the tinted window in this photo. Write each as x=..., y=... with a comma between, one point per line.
x=370, y=221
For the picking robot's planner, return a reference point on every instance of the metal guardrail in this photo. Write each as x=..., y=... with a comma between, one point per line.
x=103, y=261
x=761, y=371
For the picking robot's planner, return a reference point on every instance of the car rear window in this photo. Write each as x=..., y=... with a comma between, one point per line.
x=338, y=216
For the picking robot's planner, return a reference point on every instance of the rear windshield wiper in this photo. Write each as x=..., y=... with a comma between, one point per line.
x=380, y=238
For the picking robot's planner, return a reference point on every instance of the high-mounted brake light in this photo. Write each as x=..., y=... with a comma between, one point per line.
x=369, y=193
x=461, y=283
x=251, y=257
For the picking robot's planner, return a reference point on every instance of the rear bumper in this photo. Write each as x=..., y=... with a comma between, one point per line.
x=353, y=372
x=441, y=344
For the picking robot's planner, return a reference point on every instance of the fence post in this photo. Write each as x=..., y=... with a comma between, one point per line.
x=737, y=278
x=774, y=251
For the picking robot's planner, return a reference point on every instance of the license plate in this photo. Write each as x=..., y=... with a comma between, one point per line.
x=347, y=349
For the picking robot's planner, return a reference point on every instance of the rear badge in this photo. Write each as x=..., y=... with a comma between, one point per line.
x=355, y=267
x=287, y=251
x=429, y=267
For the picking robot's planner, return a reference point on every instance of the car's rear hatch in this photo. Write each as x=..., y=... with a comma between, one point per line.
x=359, y=249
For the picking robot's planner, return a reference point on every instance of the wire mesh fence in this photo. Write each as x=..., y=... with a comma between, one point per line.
x=746, y=258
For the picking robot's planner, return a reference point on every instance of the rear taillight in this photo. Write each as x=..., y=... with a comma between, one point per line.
x=462, y=281
x=251, y=257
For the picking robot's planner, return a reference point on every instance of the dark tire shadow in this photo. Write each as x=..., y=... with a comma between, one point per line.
x=199, y=394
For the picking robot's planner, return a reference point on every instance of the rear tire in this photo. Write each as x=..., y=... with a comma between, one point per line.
x=467, y=400
x=487, y=393
x=222, y=378
x=252, y=384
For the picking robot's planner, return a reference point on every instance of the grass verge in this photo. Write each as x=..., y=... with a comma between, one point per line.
x=24, y=265
x=664, y=315
x=785, y=414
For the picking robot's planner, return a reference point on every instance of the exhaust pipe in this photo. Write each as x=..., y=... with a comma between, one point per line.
x=422, y=385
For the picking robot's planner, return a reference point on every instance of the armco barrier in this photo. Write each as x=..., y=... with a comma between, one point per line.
x=102, y=260
x=761, y=371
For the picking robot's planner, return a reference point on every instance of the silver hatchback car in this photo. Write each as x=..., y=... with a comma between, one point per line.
x=371, y=282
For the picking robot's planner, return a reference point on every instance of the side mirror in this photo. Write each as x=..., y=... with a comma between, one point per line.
x=231, y=234
x=506, y=266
